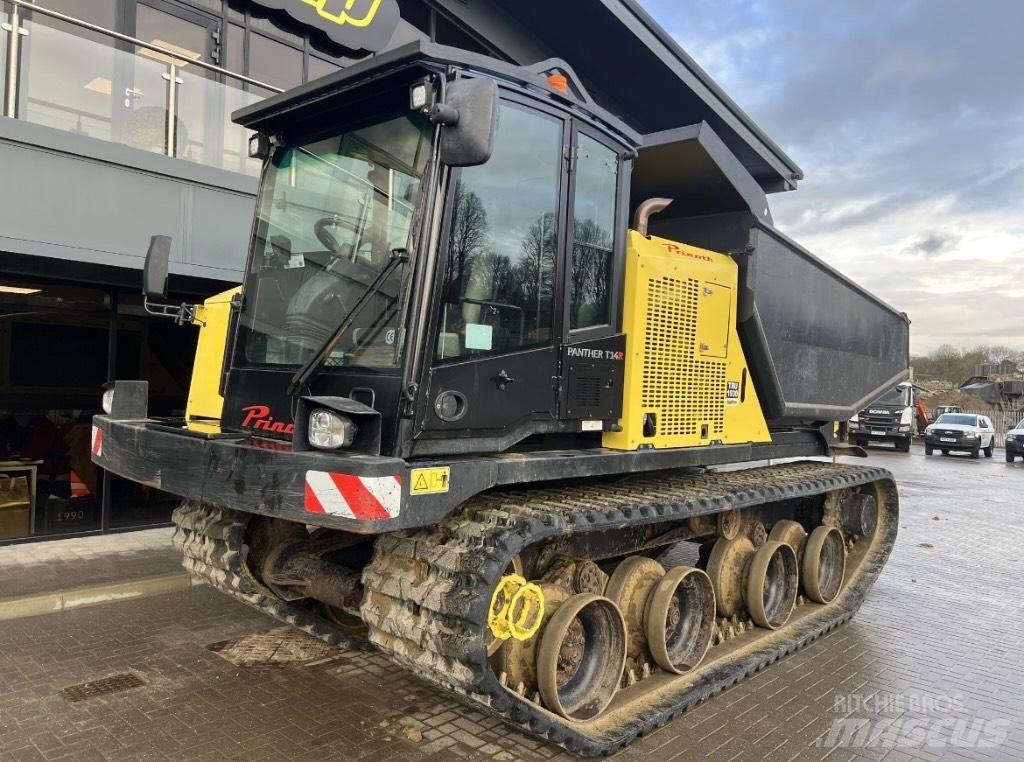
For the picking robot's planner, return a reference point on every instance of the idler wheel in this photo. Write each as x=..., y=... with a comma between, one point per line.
x=630, y=588
x=772, y=582
x=581, y=655
x=681, y=619
x=824, y=564
x=727, y=567
x=792, y=533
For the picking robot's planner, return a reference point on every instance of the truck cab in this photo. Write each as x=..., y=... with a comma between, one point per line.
x=890, y=418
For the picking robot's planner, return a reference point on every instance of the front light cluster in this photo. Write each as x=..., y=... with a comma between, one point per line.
x=107, y=402
x=329, y=430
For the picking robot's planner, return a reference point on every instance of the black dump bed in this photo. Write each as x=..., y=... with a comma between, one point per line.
x=820, y=347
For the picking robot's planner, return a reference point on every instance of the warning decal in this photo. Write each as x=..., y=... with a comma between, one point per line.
x=429, y=481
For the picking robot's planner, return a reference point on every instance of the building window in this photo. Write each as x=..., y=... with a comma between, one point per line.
x=274, y=62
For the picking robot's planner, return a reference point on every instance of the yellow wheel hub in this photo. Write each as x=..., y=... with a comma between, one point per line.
x=517, y=608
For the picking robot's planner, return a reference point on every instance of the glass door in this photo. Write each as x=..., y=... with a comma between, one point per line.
x=168, y=107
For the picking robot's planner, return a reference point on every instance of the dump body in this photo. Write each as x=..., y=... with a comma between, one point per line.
x=819, y=345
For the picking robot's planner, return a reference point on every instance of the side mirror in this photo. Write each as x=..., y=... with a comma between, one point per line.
x=154, y=273
x=468, y=140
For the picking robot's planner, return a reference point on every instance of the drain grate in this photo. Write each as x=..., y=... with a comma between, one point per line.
x=276, y=648
x=108, y=685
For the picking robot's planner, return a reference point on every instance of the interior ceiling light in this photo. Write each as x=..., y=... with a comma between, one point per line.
x=18, y=290
x=99, y=85
x=186, y=54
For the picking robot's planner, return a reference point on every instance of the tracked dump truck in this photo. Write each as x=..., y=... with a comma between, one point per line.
x=464, y=412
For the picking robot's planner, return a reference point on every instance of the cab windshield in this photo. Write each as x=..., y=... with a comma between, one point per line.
x=896, y=397
x=331, y=212
x=957, y=419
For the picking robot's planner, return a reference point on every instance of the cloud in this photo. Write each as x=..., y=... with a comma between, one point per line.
x=908, y=120
x=933, y=244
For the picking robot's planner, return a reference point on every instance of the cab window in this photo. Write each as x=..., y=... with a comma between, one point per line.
x=597, y=172
x=498, y=290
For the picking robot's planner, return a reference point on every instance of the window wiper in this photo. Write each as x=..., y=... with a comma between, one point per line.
x=305, y=375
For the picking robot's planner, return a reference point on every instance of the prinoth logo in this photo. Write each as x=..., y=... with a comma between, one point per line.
x=354, y=24
x=672, y=248
x=258, y=418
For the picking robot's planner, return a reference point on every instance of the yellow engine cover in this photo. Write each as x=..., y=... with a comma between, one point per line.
x=213, y=318
x=686, y=379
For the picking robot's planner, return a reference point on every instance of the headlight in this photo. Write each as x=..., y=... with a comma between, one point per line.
x=969, y=435
x=904, y=427
x=107, y=402
x=929, y=430
x=1009, y=437
x=329, y=430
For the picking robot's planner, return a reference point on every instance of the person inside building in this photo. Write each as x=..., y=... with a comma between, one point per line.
x=12, y=435
x=45, y=442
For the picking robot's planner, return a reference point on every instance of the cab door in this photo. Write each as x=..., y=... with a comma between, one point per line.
x=498, y=306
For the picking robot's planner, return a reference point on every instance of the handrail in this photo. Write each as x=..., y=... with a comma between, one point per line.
x=173, y=55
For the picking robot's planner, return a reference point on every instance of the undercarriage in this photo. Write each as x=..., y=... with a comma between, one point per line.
x=587, y=613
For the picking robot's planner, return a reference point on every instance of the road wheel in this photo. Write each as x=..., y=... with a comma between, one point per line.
x=1010, y=457
x=976, y=452
x=990, y=448
x=928, y=449
x=904, y=446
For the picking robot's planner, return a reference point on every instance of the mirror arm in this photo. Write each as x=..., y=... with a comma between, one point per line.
x=182, y=313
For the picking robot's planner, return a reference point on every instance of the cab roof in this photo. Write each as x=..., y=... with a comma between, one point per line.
x=309, y=103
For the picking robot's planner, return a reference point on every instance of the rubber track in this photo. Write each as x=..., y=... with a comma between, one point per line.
x=427, y=590
x=212, y=542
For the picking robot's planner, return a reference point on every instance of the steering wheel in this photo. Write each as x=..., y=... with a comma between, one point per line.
x=323, y=234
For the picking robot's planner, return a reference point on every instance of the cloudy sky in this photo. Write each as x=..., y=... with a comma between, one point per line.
x=907, y=118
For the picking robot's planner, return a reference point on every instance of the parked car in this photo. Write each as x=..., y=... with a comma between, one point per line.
x=1015, y=442
x=964, y=432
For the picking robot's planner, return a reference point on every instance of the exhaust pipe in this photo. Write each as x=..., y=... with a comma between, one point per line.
x=644, y=212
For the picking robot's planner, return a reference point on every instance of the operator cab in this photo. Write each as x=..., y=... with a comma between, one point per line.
x=437, y=252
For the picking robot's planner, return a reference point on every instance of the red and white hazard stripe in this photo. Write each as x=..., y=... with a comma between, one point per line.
x=97, y=441
x=367, y=498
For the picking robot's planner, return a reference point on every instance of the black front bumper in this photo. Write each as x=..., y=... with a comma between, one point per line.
x=960, y=445
x=881, y=435
x=1015, y=446
x=268, y=477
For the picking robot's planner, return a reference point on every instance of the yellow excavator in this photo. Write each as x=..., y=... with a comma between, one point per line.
x=539, y=407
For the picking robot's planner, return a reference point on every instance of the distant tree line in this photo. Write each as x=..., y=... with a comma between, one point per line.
x=954, y=365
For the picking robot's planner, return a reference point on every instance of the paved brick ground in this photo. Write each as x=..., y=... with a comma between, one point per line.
x=58, y=565
x=931, y=668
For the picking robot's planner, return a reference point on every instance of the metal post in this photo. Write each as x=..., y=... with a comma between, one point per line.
x=171, y=75
x=106, y=506
x=13, y=28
